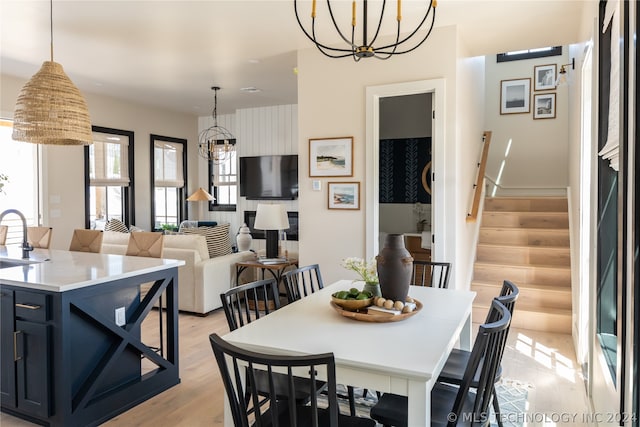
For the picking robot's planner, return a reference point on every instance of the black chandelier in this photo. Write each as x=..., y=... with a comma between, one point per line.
x=365, y=48
x=216, y=143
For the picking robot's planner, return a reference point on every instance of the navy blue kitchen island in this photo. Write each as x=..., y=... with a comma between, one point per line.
x=73, y=350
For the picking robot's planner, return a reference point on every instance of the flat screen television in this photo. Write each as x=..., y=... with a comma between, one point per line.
x=272, y=177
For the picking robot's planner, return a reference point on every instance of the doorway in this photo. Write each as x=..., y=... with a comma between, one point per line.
x=435, y=88
x=405, y=167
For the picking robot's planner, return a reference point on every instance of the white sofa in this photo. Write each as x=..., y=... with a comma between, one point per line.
x=202, y=279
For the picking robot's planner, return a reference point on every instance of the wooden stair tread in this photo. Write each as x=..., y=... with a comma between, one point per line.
x=523, y=307
x=536, y=213
x=522, y=266
x=524, y=229
x=521, y=246
x=525, y=286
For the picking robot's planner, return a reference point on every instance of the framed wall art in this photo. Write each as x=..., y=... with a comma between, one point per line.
x=344, y=195
x=331, y=156
x=544, y=77
x=544, y=106
x=514, y=96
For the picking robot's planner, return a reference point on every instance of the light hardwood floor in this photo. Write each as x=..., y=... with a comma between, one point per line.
x=546, y=361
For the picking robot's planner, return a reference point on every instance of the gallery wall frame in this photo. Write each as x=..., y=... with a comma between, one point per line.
x=544, y=77
x=515, y=95
x=331, y=157
x=544, y=106
x=344, y=195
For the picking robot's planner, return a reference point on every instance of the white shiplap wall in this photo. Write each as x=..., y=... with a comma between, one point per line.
x=258, y=131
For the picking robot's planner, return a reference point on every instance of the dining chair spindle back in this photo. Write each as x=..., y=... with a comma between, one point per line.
x=453, y=370
x=431, y=273
x=241, y=370
x=302, y=281
x=246, y=303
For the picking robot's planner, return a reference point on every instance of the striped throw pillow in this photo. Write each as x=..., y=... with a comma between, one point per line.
x=116, y=225
x=218, y=241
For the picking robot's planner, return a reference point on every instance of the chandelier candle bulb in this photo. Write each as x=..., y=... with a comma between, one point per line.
x=399, y=10
x=313, y=9
x=353, y=13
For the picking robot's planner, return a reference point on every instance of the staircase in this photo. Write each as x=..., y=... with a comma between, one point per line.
x=526, y=240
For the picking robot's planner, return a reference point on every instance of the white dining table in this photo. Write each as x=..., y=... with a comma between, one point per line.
x=403, y=357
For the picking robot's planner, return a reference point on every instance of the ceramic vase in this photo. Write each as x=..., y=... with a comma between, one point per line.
x=395, y=266
x=243, y=239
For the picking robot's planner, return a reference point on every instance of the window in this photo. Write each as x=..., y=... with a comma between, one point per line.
x=19, y=178
x=223, y=183
x=518, y=55
x=169, y=160
x=109, y=177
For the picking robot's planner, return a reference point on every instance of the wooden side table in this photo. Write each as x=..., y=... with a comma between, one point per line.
x=275, y=269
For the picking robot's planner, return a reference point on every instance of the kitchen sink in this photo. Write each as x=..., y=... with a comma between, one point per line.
x=8, y=263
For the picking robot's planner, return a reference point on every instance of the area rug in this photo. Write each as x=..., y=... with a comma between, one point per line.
x=512, y=395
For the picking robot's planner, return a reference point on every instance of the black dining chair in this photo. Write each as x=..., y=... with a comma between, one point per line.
x=242, y=370
x=247, y=303
x=302, y=281
x=463, y=404
x=453, y=370
x=431, y=273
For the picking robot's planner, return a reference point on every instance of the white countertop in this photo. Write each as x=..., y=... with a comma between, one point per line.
x=60, y=271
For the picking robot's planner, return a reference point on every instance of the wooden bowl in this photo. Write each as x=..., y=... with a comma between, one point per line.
x=352, y=304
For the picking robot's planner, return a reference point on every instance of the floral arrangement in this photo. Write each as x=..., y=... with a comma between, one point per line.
x=366, y=270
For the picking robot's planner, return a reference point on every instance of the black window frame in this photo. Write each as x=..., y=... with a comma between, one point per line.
x=182, y=192
x=505, y=57
x=128, y=196
x=214, y=205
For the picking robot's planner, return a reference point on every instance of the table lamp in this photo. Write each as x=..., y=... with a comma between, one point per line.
x=271, y=218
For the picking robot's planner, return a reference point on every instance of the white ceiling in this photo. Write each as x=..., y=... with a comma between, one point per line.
x=169, y=53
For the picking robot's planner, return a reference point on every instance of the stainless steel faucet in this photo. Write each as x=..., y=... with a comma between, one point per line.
x=26, y=247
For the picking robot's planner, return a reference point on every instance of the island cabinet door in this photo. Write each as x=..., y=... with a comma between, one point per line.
x=7, y=356
x=32, y=368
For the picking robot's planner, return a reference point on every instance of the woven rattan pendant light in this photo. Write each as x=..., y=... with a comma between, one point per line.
x=50, y=109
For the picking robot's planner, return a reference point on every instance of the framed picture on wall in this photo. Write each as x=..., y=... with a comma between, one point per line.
x=544, y=106
x=544, y=77
x=344, y=195
x=331, y=156
x=514, y=96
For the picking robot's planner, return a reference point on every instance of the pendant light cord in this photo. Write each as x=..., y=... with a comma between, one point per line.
x=51, y=26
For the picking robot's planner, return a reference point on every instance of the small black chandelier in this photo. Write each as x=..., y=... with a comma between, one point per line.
x=216, y=143
x=365, y=48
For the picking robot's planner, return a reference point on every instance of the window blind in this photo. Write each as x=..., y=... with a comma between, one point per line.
x=168, y=165
x=109, y=160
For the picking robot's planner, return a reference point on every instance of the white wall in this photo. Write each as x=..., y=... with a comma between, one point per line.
x=469, y=129
x=338, y=109
x=537, y=160
x=63, y=167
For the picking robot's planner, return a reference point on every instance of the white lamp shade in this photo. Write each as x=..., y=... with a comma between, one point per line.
x=271, y=217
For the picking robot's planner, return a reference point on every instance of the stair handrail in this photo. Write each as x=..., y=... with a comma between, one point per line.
x=482, y=165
